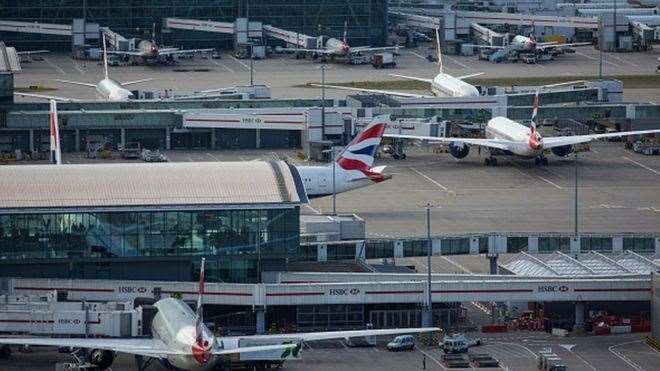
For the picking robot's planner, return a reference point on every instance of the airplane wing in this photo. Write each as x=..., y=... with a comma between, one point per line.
x=173, y=51
x=328, y=335
x=545, y=46
x=490, y=143
x=120, y=52
x=134, y=82
x=257, y=348
x=386, y=92
x=412, y=78
x=30, y=52
x=318, y=51
x=485, y=46
x=576, y=139
x=77, y=83
x=43, y=96
x=360, y=49
x=470, y=76
x=143, y=347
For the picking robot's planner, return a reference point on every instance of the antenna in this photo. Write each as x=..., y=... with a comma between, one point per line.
x=437, y=40
x=105, y=58
x=345, y=30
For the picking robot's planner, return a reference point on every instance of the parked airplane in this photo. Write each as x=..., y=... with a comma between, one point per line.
x=508, y=137
x=106, y=89
x=443, y=84
x=181, y=340
x=334, y=47
x=353, y=168
x=148, y=50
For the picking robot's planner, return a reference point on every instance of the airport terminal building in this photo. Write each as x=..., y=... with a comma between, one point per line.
x=149, y=221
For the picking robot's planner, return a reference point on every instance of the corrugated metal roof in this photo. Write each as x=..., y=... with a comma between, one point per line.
x=148, y=184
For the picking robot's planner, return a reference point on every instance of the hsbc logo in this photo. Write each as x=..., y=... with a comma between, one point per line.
x=344, y=292
x=132, y=289
x=64, y=321
x=553, y=288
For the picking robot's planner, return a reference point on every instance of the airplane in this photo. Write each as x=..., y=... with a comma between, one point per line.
x=338, y=48
x=508, y=137
x=353, y=167
x=106, y=89
x=148, y=50
x=443, y=84
x=528, y=44
x=182, y=341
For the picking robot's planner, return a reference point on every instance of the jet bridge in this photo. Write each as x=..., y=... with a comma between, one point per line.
x=486, y=36
x=290, y=37
x=197, y=25
x=35, y=27
x=417, y=21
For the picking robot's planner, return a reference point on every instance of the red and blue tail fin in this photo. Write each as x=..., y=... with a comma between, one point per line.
x=359, y=155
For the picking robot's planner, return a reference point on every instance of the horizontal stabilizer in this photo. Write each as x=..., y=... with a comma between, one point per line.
x=470, y=76
x=77, y=83
x=135, y=82
x=412, y=78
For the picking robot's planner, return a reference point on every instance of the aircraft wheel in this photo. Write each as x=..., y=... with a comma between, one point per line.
x=537, y=161
x=544, y=161
x=403, y=156
x=487, y=161
x=395, y=156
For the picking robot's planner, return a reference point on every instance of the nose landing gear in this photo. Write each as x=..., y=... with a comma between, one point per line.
x=490, y=161
x=541, y=160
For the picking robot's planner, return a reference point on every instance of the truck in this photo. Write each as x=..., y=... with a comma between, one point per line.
x=458, y=343
x=383, y=60
x=131, y=150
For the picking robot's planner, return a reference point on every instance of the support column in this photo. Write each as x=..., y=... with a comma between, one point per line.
x=321, y=253
x=398, y=249
x=77, y=138
x=258, y=138
x=474, y=245
x=122, y=137
x=260, y=316
x=533, y=245
x=579, y=317
x=575, y=245
x=212, y=138
x=168, y=138
x=492, y=263
x=617, y=244
x=31, y=133
x=436, y=247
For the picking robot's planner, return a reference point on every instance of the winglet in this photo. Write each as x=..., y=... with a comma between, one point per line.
x=105, y=57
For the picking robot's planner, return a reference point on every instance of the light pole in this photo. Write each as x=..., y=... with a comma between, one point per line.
x=575, y=206
x=334, y=183
x=247, y=17
x=429, y=301
x=323, y=68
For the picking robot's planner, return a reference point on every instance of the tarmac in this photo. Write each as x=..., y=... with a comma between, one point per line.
x=284, y=73
x=514, y=351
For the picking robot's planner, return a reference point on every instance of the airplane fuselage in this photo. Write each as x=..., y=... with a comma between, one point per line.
x=447, y=85
x=318, y=180
x=148, y=49
x=524, y=42
x=337, y=47
x=526, y=144
x=111, y=90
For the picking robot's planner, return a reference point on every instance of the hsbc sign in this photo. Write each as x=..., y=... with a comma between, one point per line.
x=132, y=289
x=344, y=292
x=552, y=288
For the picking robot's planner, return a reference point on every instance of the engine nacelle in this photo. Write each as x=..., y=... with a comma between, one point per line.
x=388, y=149
x=562, y=151
x=459, y=150
x=102, y=359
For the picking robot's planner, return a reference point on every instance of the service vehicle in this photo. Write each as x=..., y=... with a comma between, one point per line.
x=131, y=150
x=402, y=342
x=458, y=343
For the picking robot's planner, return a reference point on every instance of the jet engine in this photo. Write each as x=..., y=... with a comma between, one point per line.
x=459, y=150
x=102, y=359
x=562, y=151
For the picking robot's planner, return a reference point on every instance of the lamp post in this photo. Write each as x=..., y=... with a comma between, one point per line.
x=323, y=68
x=428, y=322
x=575, y=206
x=334, y=183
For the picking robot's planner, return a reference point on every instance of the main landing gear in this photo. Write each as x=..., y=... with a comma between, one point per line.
x=541, y=160
x=490, y=161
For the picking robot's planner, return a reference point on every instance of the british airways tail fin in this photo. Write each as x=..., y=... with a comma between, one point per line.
x=361, y=151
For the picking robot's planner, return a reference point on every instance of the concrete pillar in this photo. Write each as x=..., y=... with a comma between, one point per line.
x=31, y=133
x=398, y=249
x=322, y=253
x=533, y=245
x=575, y=245
x=258, y=138
x=579, y=317
x=474, y=245
x=436, y=246
x=657, y=248
x=168, y=138
x=122, y=140
x=77, y=140
x=492, y=263
x=260, y=314
x=212, y=138
x=617, y=244
x=360, y=251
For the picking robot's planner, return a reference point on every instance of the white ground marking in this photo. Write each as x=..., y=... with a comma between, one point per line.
x=418, y=55
x=595, y=59
x=77, y=66
x=549, y=182
x=56, y=67
x=457, y=62
x=223, y=66
x=457, y=265
x=431, y=358
x=625, y=359
x=243, y=64
x=521, y=346
x=213, y=157
x=642, y=165
x=624, y=61
x=429, y=179
x=570, y=349
x=313, y=209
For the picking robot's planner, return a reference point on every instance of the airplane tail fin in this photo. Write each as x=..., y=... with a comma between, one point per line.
x=437, y=41
x=533, y=33
x=153, y=32
x=55, y=153
x=105, y=57
x=345, y=30
x=360, y=153
x=535, y=109
x=200, y=295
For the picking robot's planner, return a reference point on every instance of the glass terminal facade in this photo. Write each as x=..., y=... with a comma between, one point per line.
x=366, y=19
x=232, y=239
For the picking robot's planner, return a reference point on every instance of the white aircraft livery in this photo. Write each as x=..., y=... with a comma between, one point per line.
x=508, y=137
x=182, y=341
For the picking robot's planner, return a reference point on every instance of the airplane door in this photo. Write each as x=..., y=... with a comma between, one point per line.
x=323, y=184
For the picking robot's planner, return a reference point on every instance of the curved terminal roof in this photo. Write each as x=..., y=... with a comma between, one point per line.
x=148, y=185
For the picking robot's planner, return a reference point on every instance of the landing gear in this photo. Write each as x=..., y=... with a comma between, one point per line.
x=490, y=161
x=143, y=363
x=399, y=156
x=541, y=160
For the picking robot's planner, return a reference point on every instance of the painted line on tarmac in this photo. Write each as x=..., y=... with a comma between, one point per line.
x=625, y=61
x=521, y=346
x=223, y=66
x=213, y=157
x=243, y=64
x=625, y=359
x=56, y=67
x=429, y=179
x=431, y=358
x=584, y=360
x=549, y=182
x=595, y=59
x=457, y=265
x=77, y=66
x=458, y=63
x=313, y=209
x=642, y=165
x=418, y=55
